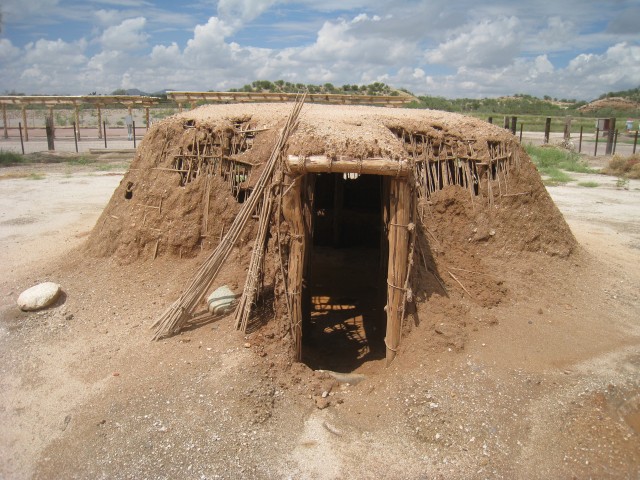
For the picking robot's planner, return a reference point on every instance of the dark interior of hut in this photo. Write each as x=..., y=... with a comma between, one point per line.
x=345, y=321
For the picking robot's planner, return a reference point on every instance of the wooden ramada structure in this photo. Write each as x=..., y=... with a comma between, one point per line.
x=78, y=101
x=290, y=169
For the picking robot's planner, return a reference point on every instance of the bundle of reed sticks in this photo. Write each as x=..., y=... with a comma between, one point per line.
x=174, y=317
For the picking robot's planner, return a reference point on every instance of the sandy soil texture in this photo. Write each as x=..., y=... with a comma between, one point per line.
x=545, y=384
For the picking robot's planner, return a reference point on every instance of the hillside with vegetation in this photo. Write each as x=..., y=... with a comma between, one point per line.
x=280, y=86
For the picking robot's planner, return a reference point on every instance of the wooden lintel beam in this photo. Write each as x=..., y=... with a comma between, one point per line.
x=342, y=164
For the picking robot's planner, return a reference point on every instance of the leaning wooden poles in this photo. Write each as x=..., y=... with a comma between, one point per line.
x=399, y=219
x=172, y=320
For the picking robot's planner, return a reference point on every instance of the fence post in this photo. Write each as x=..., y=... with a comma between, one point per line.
x=26, y=127
x=580, y=144
x=505, y=124
x=521, y=126
x=567, y=128
x=595, y=151
x=547, y=129
x=514, y=125
x=21, y=141
x=611, y=134
x=4, y=118
x=615, y=142
x=490, y=119
x=134, y=133
x=635, y=142
x=75, y=136
x=104, y=128
x=50, y=132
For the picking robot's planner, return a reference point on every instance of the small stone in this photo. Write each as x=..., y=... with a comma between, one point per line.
x=325, y=394
x=322, y=403
x=38, y=297
x=247, y=345
x=65, y=424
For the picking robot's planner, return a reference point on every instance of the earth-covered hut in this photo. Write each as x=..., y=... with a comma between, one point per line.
x=300, y=206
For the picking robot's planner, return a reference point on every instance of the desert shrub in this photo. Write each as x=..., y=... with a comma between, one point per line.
x=621, y=166
x=7, y=158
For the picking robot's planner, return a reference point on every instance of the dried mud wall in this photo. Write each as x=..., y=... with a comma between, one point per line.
x=184, y=187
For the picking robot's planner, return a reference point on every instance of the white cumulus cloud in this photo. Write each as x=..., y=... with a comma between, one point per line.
x=491, y=42
x=128, y=35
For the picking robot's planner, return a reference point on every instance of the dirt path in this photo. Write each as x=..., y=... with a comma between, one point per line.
x=552, y=390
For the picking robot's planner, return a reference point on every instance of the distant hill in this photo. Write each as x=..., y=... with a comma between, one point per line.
x=610, y=103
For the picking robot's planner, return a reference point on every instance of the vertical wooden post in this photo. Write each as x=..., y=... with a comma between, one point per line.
x=104, y=129
x=611, y=133
x=595, y=150
x=338, y=200
x=521, y=127
x=4, y=119
x=580, y=143
x=547, y=130
x=615, y=142
x=490, y=119
x=24, y=122
x=75, y=136
x=146, y=116
x=21, y=140
x=77, y=114
x=134, y=133
x=179, y=107
x=399, y=218
x=53, y=123
x=635, y=142
x=294, y=214
x=506, y=122
x=50, y=132
x=514, y=122
x=567, y=128
x=99, y=121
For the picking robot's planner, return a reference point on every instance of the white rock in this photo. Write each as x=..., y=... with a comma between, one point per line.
x=39, y=296
x=222, y=301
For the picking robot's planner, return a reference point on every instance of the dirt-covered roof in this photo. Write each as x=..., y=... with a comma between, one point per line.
x=352, y=130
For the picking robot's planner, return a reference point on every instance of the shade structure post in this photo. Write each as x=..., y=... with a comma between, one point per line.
x=4, y=120
x=293, y=213
x=24, y=123
x=99, y=121
x=399, y=235
x=77, y=114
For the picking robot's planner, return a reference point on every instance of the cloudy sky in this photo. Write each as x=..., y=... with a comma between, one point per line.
x=452, y=48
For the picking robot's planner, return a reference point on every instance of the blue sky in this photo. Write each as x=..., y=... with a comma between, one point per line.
x=565, y=49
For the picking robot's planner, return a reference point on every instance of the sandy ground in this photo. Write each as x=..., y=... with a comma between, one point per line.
x=551, y=391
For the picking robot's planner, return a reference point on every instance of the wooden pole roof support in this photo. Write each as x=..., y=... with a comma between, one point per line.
x=343, y=164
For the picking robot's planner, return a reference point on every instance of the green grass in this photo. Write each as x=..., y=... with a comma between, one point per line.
x=36, y=176
x=106, y=167
x=589, y=184
x=554, y=162
x=82, y=160
x=8, y=158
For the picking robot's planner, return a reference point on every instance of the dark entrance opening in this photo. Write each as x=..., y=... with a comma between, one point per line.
x=345, y=321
